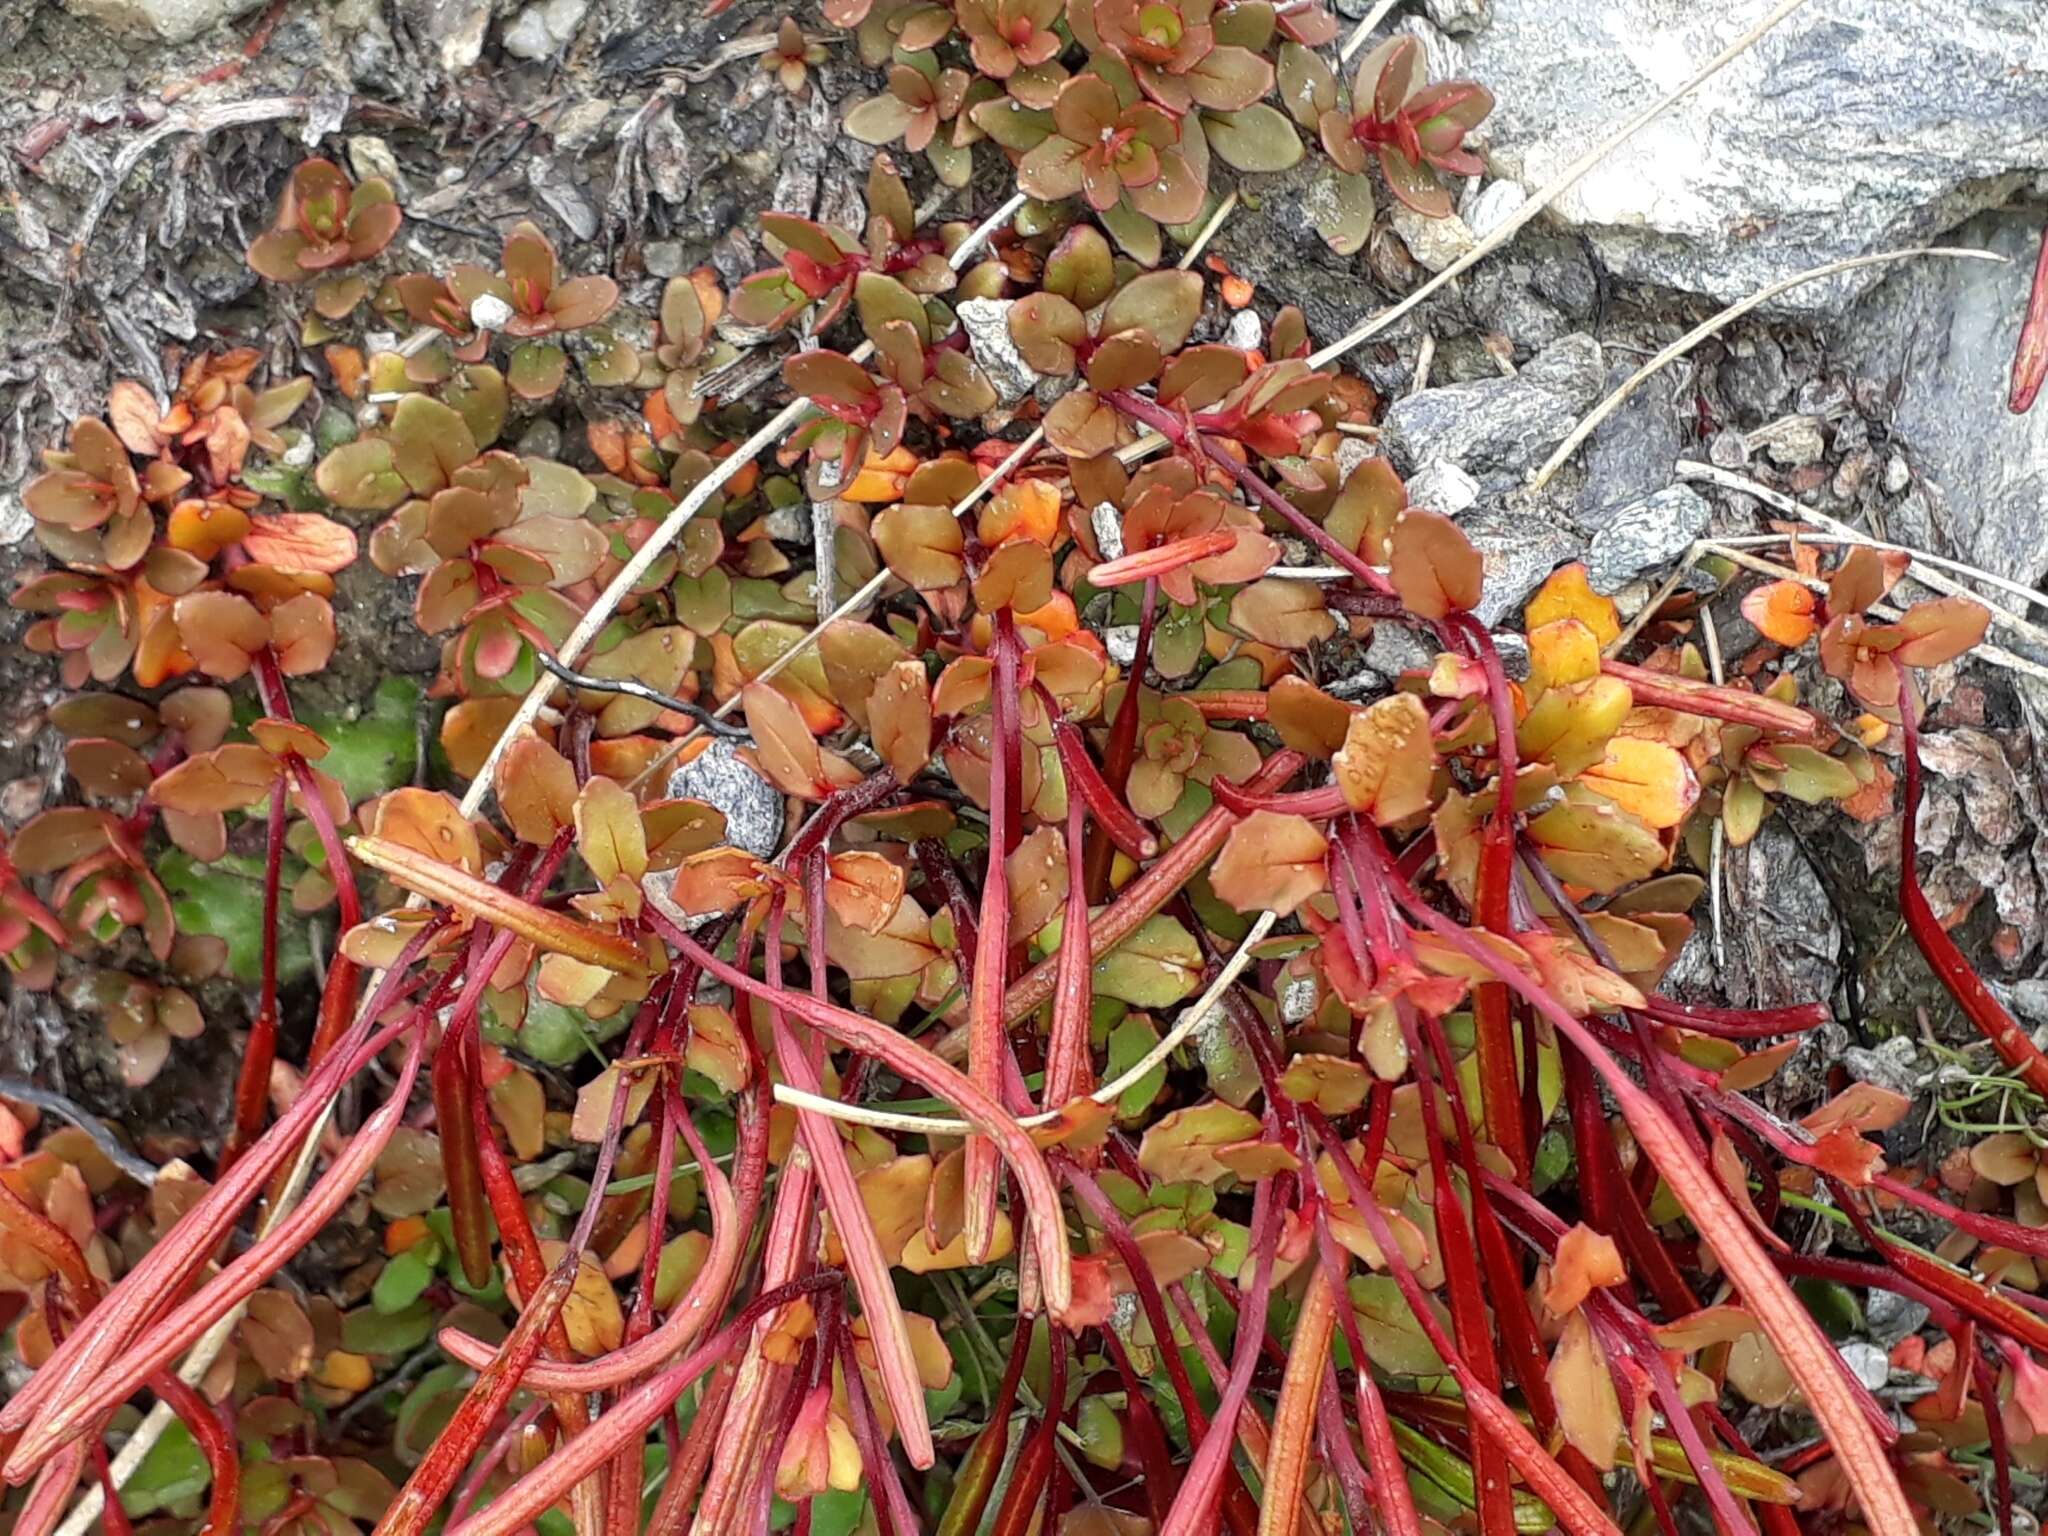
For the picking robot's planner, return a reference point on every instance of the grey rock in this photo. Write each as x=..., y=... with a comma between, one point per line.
x=1394, y=649
x=1517, y=550
x=1942, y=334
x=1442, y=487
x=1646, y=537
x=1890, y=1317
x=453, y=29
x=1754, y=378
x=1791, y=441
x=1857, y=126
x=987, y=323
x=1898, y=474
x=1866, y=1362
x=1631, y=453
x=1492, y=207
x=1108, y=522
x=1895, y=1064
x=1495, y=429
x=752, y=806
x=1537, y=289
x=1434, y=243
x=171, y=21
x=542, y=30
x=1459, y=17
x=1728, y=449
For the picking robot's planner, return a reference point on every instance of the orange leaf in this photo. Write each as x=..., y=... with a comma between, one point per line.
x=1862, y=1107
x=1588, y=1411
x=1652, y=781
x=1271, y=862
x=1567, y=595
x=1585, y=1259
x=1434, y=567
x=301, y=541
x=1782, y=611
x=1387, y=761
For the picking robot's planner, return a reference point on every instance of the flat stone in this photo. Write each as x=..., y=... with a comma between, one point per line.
x=1942, y=334
x=1459, y=17
x=1434, y=243
x=752, y=806
x=1852, y=127
x=1493, y=206
x=1497, y=429
x=1517, y=550
x=1442, y=487
x=171, y=21
x=1791, y=441
x=544, y=29
x=987, y=323
x=1631, y=453
x=454, y=29
x=1646, y=537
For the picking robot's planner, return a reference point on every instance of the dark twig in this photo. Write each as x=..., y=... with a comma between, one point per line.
x=697, y=712
x=22, y=1091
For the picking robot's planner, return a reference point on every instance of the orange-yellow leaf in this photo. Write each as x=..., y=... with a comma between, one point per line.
x=1271, y=862
x=1652, y=780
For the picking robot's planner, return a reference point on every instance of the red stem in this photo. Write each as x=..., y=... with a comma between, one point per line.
x=2014, y=1045
x=259, y=1054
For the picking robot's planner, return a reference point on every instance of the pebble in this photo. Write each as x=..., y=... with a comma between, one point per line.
x=541, y=30
x=1898, y=474
x=1792, y=441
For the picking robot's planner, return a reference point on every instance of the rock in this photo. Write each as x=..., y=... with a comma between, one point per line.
x=987, y=323
x=1631, y=453
x=1866, y=1362
x=543, y=29
x=752, y=806
x=1459, y=17
x=1853, y=127
x=453, y=29
x=1791, y=441
x=1898, y=474
x=1535, y=290
x=1434, y=243
x=1646, y=537
x=1895, y=1064
x=1890, y=1317
x=170, y=21
x=1517, y=550
x=1493, y=207
x=1941, y=334
x=1495, y=429
x=1442, y=487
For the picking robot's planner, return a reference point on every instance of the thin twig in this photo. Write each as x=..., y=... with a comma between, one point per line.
x=1657, y=600
x=1717, y=833
x=1558, y=187
x=1997, y=656
x=22, y=1091
x=1725, y=318
x=1191, y=1018
x=1207, y=232
x=1693, y=469
x=638, y=690
x=1364, y=29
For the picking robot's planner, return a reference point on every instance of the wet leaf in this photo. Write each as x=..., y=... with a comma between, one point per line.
x=1271, y=862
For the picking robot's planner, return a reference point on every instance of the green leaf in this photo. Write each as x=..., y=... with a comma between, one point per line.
x=427, y=1407
x=1155, y=967
x=1389, y=1331
x=225, y=899
x=378, y=749
x=836, y=1514
x=366, y=1331
x=402, y=1281
x=1128, y=1043
x=174, y=1470
x=1259, y=138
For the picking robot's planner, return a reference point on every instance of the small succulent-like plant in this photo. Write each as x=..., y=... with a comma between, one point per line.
x=325, y=223
x=1414, y=130
x=793, y=57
